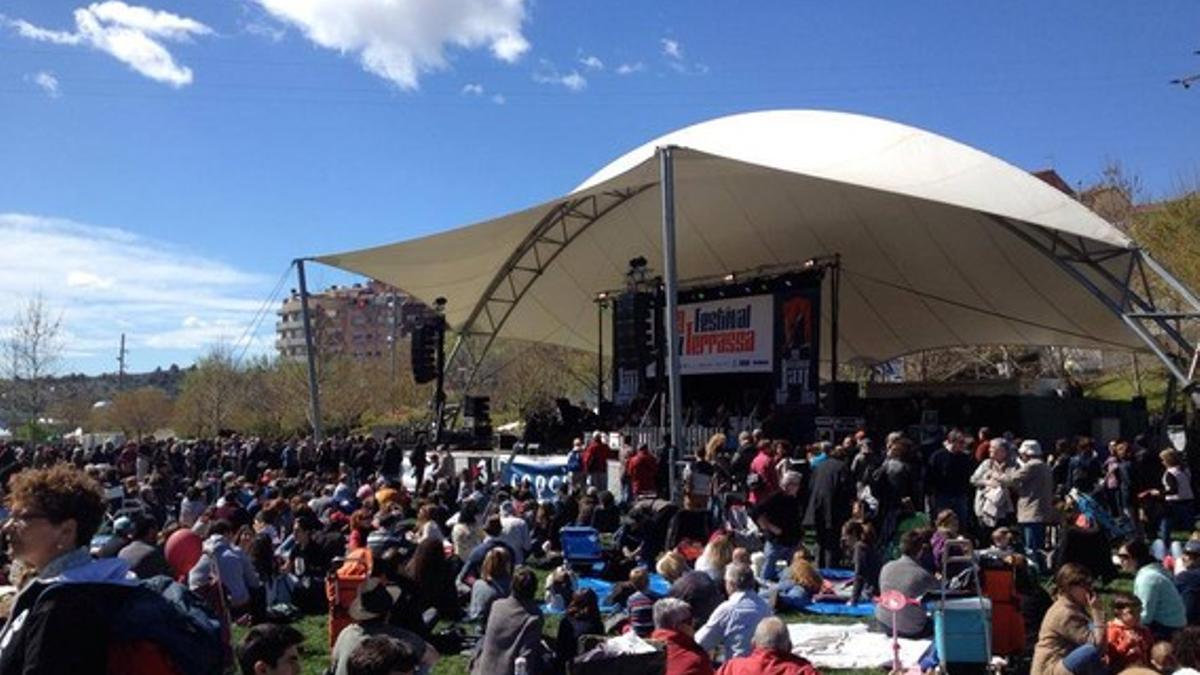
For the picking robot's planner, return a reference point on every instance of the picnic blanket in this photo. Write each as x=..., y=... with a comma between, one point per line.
x=658, y=588
x=850, y=646
x=837, y=607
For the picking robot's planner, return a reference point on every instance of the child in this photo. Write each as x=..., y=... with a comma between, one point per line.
x=640, y=605
x=1162, y=657
x=559, y=589
x=947, y=528
x=1127, y=641
x=858, y=540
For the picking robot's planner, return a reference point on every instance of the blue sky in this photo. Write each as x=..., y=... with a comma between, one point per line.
x=161, y=162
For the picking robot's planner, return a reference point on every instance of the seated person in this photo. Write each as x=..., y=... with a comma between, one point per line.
x=693, y=587
x=858, y=540
x=494, y=582
x=1127, y=642
x=733, y=622
x=907, y=576
x=493, y=538
x=370, y=611
x=799, y=582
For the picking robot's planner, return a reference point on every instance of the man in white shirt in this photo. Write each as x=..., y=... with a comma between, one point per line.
x=731, y=625
x=515, y=533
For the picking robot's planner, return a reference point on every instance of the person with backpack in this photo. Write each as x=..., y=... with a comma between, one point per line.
x=97, y=609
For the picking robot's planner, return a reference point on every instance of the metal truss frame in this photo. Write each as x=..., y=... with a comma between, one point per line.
x=532, y=257
x=1131, y=296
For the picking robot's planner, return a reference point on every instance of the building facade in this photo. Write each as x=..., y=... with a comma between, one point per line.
x=362, y=321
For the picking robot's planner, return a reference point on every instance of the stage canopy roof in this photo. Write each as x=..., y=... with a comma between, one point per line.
x=934, y=238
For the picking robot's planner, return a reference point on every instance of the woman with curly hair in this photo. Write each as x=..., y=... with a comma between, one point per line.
x=69, y=597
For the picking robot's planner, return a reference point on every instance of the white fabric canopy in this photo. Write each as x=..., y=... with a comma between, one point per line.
x=914, y=216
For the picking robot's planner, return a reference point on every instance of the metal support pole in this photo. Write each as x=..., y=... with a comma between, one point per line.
x=314, y=394
x=439, y=396
x=671, y=288
x=601, y=303
x=835, y=299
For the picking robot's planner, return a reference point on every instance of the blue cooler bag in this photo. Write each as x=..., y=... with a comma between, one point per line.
x=961, y=630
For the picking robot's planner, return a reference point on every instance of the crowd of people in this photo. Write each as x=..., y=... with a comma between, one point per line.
x=413, y=558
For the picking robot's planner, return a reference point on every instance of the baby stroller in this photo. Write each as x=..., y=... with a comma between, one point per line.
x=1117, y=529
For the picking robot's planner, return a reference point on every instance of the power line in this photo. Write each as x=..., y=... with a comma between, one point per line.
x=248, y=335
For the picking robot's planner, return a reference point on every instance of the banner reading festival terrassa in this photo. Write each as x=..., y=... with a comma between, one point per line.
x=733, y=335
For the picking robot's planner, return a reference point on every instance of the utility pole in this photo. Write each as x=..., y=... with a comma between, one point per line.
x=121, y=365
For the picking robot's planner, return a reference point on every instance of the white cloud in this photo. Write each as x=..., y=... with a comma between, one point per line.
x=400, y=41
x=108, y=281
x=472, y=89
x=630, y=68
x=82, y=279
x=265, y=30
x=47, y=81
x=548, y=74
x=672, y=49
x=131, y=34
x=592, y=62
x=499, y=99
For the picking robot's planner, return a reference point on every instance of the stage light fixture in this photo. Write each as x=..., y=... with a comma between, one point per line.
x=730, y=277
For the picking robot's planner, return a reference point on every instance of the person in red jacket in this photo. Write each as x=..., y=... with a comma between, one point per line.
x=595, y=462
x=643, y=472
x=772, y=654
x=674, y=626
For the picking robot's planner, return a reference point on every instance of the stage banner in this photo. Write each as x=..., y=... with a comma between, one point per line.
x=798, y=334
x=545, y=474
x=732, y=335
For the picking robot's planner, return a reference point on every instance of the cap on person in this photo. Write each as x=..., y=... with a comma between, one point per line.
x=1192, y=548
x=1030, y=448
x=374, y=600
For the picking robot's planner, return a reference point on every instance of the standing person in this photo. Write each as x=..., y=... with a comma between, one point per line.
x=779, y=518
x=624, y=454
x=514, y=630
x=983, y=444
x=743, y=456
x=643, y=473
x=393, y=459
x=763, y=479
x=417, y=460
x=892, y=482
x=1083, y=472
x=772, y=654
x=831, y=497
x=699, y=477
x=1177, y=496
x=675, y=626
x=733, y=622
x=993, y=504
x=1033, y=483
x=595, y=462
x=575, y=467
x=665, y=454
x=948, y=478
x=1072, y=636
x=1162, y=607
